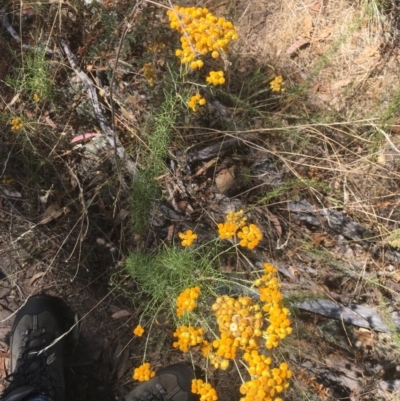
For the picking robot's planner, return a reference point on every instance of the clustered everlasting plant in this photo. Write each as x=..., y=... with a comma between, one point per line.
x=245, y=329
x=202, y=33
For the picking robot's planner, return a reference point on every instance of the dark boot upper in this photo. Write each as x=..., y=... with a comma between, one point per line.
x=171, y=383
x=36, y=365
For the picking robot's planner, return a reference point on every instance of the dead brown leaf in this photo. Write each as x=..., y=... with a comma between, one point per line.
x=123, y=363
x=121, y=313
x=314, y=6
x=339, y=84
x=368, y=53
x=297, y=46
x=35, y=277
x=225, y=179
x=170, y=233
x=275, y=222
x=53, y=211
x=206, y=166
x=185, y=206
x=3, y=368
x=307, y=26
x=121, y=216
x=50, y=122
x=324, y=34
x=365, y=338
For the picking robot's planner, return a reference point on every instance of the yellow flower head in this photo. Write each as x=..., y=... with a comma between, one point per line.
x=216, y=77
x=233, y=221
x=16, y=124
x=277, y=84
x=36, y=98
x=143, y=373
x=186, y=300
x=236, y=218
x=138, y=330
x=205, y=390
x=187, y=336
x=226, y=230
x=187, y=238
x=196, y=101
x=250, y=236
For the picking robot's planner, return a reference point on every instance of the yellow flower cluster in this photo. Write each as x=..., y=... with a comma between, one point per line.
x=138, y=330
x=196, y=101
x=186, y=300
x=267, y=385
x=257, y=363
x=197, y=64
x=206, y=348
x=226, y=230
x=16, y=124
x=149, y=73
x=7, y=179
x=237, y=218
x=36, y=98
x=187, y=337
x=240, y=322
x=205, y=390
x=143, y=373
x=218, y=361
x=250, y=236
x=277, y=84
x=216, y=78
x=201, y=32
x=270, y=294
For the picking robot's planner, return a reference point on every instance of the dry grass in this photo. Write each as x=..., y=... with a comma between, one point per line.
x=347, y=63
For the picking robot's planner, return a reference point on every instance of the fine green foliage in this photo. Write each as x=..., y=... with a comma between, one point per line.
x=146, y=189
x=34, y=76
x=164, y=275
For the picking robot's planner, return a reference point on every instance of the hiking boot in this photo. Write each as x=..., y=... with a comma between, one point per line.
x=36, y=370
x=172, y=383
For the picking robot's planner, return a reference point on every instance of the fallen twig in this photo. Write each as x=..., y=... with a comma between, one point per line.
x=104, y=125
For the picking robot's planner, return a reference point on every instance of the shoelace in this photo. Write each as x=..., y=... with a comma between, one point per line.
x=32, y=369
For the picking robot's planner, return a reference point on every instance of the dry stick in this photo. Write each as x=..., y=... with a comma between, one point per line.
x=104, y=125
x=128, y=25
